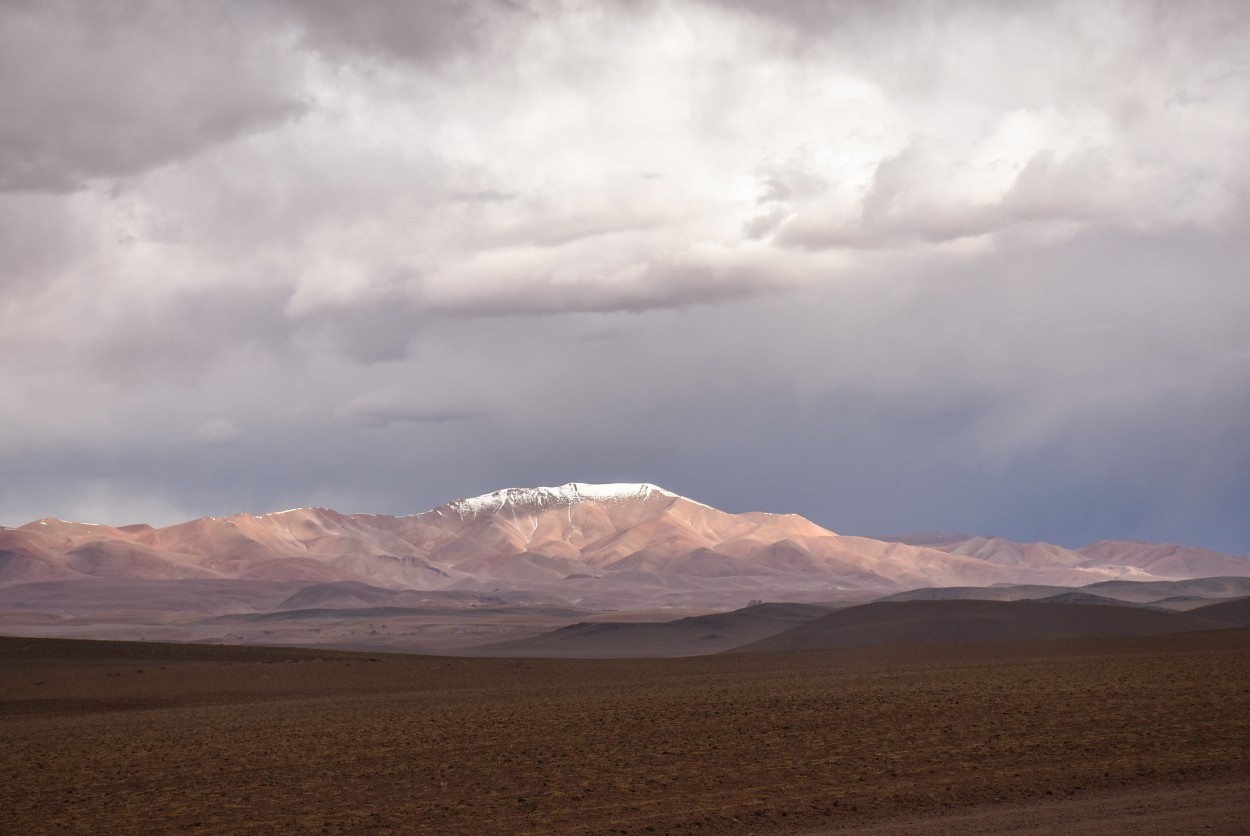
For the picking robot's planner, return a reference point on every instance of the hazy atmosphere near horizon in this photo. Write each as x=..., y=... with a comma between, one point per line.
x=961, y=266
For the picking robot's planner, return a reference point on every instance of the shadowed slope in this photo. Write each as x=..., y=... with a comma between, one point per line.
x=1003, y=592
x=698, y=635
x=1236, y=611
x=1075, y=597
x=928, y=622
x=1137, y=592
x=1150, y=591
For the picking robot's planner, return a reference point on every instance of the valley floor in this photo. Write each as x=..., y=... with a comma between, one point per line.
x=1133, y=734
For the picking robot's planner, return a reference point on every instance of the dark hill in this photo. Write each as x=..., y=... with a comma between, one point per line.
x=694, y=636
x=928, y=622
x=1236, y=611
x=998, y=592
x=1075, y=597
x=1150, y=591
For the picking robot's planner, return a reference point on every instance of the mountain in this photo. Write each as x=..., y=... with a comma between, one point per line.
x=593, y=546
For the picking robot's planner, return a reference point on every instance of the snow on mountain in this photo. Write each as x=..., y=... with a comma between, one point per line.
x=558, y=497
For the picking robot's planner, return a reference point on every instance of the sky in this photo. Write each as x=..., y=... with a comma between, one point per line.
x=893, y=266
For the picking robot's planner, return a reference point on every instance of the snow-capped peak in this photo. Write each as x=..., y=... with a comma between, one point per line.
x=558, y=497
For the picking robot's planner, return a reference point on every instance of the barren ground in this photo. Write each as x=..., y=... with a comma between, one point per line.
x=1133, y=735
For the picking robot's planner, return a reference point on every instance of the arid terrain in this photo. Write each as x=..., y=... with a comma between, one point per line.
x=502, y=572
x=1141, y=734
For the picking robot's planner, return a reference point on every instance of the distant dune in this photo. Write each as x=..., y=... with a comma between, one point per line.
x=694, y=636
x=998, y=592
x=1236, y=611
x=1150, y=591
x=1127, y=591
x=783, y=627
x=929, y=622
x=1077, y=597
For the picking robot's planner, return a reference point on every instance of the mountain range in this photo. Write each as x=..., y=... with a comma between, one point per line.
x=591, y=546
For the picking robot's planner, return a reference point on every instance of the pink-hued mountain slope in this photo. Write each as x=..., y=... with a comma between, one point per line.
x=616, y=545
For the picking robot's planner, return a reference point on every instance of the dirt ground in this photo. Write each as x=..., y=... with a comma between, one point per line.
x=1114, y=735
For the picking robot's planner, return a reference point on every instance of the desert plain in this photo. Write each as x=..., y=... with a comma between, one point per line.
x=1141, y=734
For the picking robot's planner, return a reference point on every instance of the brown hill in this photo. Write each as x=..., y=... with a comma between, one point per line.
x=1176, y=594
x=1075, y=597
x=1236, y=611
x=694, y=636
x=927, y=622
x=998, y=592
x=1154, y=591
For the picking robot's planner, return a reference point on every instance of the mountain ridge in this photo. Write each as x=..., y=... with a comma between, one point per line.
x=611, y=545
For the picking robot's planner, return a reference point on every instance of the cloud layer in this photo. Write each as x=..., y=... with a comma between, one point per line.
x=892, y=266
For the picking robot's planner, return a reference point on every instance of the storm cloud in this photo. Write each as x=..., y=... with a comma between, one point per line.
x=893, y=266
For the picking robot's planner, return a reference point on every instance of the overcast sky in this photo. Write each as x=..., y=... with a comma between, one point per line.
x=978, y=267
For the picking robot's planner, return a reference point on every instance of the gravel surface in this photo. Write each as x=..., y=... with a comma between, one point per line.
x=1141, y=735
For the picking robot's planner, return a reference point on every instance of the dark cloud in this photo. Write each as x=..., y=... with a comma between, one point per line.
x=39, y=238
x=111, y=89
x=816, y=18
x=424, y=32
x=378, y=332
x=190, y=333
x=383, y=408
x=650, y=286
